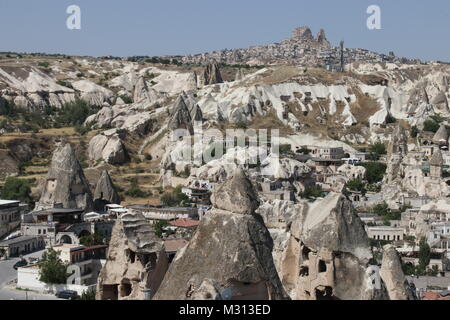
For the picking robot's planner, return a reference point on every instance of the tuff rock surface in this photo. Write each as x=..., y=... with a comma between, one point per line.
x=328, y=254
x=211, y=74
x=236, y=195
x=230, y=250
x=65, y=182
x=105, y=190
x=392, y=274
x=136, y=261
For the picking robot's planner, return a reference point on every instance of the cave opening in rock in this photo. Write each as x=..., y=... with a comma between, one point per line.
x=131, y=256
x=305, y=253
x=322, y=266
x=125, y=288
x=304, y=271
x=324, y=293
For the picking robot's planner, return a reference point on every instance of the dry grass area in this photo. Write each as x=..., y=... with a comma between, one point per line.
x=68, y=132
x=310, y=118
x=364, y=107
x=279, y=74
x=271, y=121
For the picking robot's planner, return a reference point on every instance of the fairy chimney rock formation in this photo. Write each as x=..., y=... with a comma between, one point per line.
x=136, y=261
x=328, y=255
x=211, y=74
x=140, y=90
x=105, y=190
x=65, y=183
x=236, y=195
x=231, y=251
x=399, y=141
x=181, y=118
x=392, y=274
x=441, y=136
x=197, y=114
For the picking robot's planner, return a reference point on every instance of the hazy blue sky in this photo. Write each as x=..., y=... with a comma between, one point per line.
x=158, y=27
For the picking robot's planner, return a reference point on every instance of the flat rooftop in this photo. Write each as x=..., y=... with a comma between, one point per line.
x=161, y=208
x=113, y=205
x=326, y=160
x=67, y=246
x=56, y=210
x=8, y=202
x=16, y=240
x=386, y=228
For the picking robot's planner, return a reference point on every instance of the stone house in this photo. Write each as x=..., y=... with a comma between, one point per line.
x=22, y=245
x=385, y=233
x=10, y=215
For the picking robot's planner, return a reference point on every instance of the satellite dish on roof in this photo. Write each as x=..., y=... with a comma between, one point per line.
x=226, y=294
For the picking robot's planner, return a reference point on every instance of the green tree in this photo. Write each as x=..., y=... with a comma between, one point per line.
x=44, y=64
x=312, y=192
x=81, y=129
x=7, y=108
x=408, y=268
x=356, y=185
x=17, y=189
x=135, y=191
x=51, y=268
x=92, y=240
x=430, y=125
x=304, y=150
x=241, y=125
x=374, y=171
x=424, y=255
x=381, y=209
x=159, y=227
x=175, y=198
x=378, y=149
x=74, y=113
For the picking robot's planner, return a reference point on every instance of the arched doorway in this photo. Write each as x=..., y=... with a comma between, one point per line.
x=65, y=239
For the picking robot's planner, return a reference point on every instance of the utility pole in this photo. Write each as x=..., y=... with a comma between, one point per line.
x=342, y=55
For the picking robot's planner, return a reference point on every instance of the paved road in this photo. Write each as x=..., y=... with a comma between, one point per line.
x=13, y=294
x=8, y=274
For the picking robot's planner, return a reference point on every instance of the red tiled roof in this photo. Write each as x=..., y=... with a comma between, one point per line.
x=434, y=296
x=184, y=223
